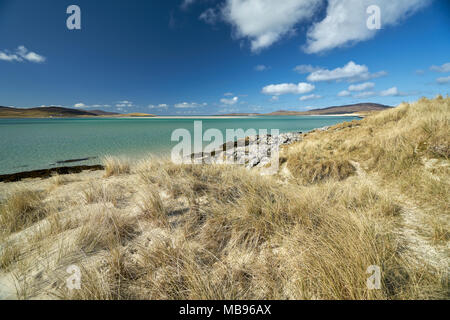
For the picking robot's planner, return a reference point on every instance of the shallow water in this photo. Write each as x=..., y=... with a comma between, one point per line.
x=31, y=144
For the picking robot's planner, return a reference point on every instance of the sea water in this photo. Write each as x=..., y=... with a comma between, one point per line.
x=31, y=144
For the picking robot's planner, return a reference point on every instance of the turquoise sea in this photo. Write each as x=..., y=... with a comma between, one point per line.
x=31, y=144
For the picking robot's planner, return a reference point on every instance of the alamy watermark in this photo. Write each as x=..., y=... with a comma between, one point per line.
x=374, y=281
x=73, y=282
x=374, y=20
x=73, y=22
x=238, y=146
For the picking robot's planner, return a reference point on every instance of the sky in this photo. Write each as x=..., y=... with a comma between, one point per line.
x=200, y=57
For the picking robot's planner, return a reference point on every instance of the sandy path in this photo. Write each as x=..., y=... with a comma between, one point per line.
x=7, y=287
x=420, y=249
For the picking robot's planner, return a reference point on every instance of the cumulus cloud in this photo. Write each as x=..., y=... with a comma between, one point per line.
x=9, y=57
x=124, y=104
x=261, y=67
x=264, y=22
x=351, y=72
x=443, y=69
x=365, y=94
x=20, y=55
x=390, y=92
x=306, y=68
x=230, y=102
x=189, y=105
x=310, y=97
x=362, y=86
x=80, y=105
x=288, y=88
x=275, y=98
x=346, y=22
x=443, y=80
x=344, y=93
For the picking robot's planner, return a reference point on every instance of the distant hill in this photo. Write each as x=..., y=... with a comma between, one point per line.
x=137, y=115
x=240, y=114
x=337, y=110
x=50, y=112
x=103, y=113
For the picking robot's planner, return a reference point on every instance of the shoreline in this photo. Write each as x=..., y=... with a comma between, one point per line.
x=190, y=117
x=286, y=138
x=47, y=173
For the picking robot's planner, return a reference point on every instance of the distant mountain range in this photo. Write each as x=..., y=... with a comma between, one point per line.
x=360, y=108
x=59, y=112
x=337, y=110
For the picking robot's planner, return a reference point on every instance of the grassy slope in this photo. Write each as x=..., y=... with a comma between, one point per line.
x=43, y=112
x=56, y=112
x=370, y=192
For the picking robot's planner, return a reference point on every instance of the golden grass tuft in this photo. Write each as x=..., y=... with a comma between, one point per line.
x=21, y=210
x=105, y=229
x=8, y=256
x=153, y=207
x=115, y=166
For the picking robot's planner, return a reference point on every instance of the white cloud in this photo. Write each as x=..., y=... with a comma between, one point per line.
x=229, y=110
x=230, y=102
x=365, y=94
x=274, y=98
x=265, y=22
x=288, y=88
x=80, y=105
x=228, y=94
x=9, y=57
x=351, y=72
x=443, y=69
x=390, y=92
x=124, y=104
x=306, y=68
x=346, y=22
x=443, y=80
x=210, y=16
x=21, y=54
x=310, y=97
x=261, y=67
x=189, y=105
x=344, y=93
x=362, y=87
x=159, y=106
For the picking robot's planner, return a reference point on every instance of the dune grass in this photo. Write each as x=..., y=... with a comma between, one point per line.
x=115, y=166
x=224, y=232
x=20, y=210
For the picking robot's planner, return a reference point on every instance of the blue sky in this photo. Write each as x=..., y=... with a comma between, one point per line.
x=192, y=57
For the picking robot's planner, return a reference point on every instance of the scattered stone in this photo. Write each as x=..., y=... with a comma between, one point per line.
x=253, y=151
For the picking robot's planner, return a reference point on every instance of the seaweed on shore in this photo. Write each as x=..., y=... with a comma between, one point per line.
x=47, y=173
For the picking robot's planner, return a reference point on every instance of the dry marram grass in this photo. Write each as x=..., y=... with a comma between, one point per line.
x=223, y=232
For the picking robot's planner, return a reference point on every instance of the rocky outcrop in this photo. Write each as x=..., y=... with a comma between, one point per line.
x=253, y=151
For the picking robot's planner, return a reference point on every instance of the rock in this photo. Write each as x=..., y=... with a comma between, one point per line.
x=253, y=151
